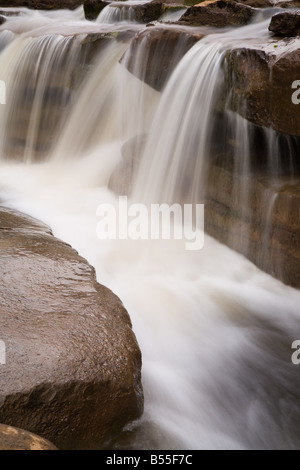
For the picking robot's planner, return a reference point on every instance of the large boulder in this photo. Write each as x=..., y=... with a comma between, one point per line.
x=162, y=49
x=72, y=368
x=218, y=14
x=262, y=85
x=17, y=439
x=286, y=24
x=42, y=4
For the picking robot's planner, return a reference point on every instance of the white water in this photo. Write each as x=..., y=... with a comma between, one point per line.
x=215, y=332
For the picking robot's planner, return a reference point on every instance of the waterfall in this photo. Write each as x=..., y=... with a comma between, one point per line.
x=38, y=93
x=116, y=13
x=173, y=168
x=215, y=331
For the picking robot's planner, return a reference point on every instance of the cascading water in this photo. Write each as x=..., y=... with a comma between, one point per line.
x=116, y=13
x=214, y=330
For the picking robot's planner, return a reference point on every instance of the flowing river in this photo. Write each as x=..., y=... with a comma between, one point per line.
x=215, y=331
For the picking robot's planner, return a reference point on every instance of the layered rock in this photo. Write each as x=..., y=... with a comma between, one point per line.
x=17, y=439
x=262, y=81
x=162, y=50
x=218, y=14
x=72, y=363
x=266, y=229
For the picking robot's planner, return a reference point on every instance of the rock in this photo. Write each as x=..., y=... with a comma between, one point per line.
x=161, y=50
x=289, y=4
x=92, y=8
x=285, y=24
x=218, y=14
x=150, y=11
x=245, y=228
x=262, y=80
x=143, y=12
x=17, y=439
x=123, y=176
x=42, y=4
x=72, y=364
x=2, y=19
x=258, y=3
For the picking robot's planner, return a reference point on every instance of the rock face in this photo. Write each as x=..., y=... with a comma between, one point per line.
x=249, y=229
x=92, y=8
x=42, y=4
x=18, y=439
x=262, y=86
x=72, y=363
x=286, y=24
x=162, y=50
x=218, y=14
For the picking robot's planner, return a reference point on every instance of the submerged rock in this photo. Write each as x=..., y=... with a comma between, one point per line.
x=218, y=14
x=286, y=24
x=17, y=439
x=72, y=371
x=123, y=176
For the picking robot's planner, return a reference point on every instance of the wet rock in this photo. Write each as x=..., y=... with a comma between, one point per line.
x=262, y=85
x=92, y=8
x=218, y=14
x=123, y=176
x=143, y=12
x=2, y=19
x=162, y=50
x=42, y=4
x=248, y=229
x=285, y=24
x=17, y=439
x=148, y=12
x=72, y=363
